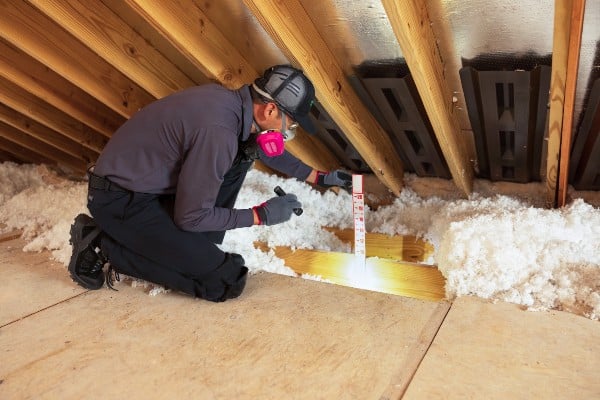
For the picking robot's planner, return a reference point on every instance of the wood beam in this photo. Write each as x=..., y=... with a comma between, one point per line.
x=38, y=110
x=116, y=42
x=576, y=28
x=560, y=55
x=44, y=83
x=208, y=49
x=42, y=148
x=380, y=274
x=296, y=35
x=398, y=248
x=188, y=28
x=412, y=27
x=27, y=29
x=21, y=153
x=45, y=134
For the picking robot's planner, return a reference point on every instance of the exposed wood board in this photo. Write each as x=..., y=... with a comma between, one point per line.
x=29, y=275
x=45, y=134
x=284, y=338
x=576, y=28
x=296, y=35
x=189, y=30
x=412, y=26
x=6, y=156
x=409, y=367
x=115, y=41
x=27, y=29
x=42, y=148
x=22, y=153
x=44, y=83
x=42, y=112
x=560, y=53
x=401, y=248
x=380, y=275
x=498, y=351
x=156, y=39
x=187, y=27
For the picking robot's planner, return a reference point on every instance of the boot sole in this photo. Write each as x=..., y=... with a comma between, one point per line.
x=76, y=237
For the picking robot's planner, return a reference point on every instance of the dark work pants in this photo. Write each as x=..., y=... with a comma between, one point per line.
x=141, y=240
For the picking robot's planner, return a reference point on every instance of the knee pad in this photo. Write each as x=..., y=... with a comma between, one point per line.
x=227, y=281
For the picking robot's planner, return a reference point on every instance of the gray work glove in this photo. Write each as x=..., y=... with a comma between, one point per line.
x=334, y=178
x=277, y=209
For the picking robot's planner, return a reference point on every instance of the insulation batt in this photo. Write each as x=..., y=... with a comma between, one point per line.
x=499, y=247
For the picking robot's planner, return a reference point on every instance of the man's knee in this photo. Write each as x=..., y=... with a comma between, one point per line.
x=227, y=281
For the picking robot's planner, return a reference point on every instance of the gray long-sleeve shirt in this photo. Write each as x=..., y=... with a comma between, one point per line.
x=183, y=144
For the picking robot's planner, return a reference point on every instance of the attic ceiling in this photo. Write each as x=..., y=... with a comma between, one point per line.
x=402, y=86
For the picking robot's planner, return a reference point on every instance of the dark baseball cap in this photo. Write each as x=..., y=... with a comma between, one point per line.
x=291, y=90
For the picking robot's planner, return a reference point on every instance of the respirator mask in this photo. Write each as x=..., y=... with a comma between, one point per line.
x=270, y=141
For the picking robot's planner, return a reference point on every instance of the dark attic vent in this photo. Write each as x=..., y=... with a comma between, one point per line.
x=584, y=168
x=508, y=112
x=400, y=106
x=333, y=137
x=388, y=91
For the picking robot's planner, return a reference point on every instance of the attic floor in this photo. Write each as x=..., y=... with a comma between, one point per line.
x=284, y=338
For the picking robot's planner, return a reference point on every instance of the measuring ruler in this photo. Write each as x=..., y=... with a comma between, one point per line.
x=358, y=212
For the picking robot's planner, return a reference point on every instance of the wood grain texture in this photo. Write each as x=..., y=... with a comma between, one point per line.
x=560, y=53
x=42, y=148
x=45, y=114
x=576, y=28
x=381, y=275
x=117, y=43
x=188, y=29
x=412, y=26
x=27, y=29
x=398, y=248
x=46, y=84
x=34, y=129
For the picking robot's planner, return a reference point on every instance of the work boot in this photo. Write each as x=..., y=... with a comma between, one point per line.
x=86, y=263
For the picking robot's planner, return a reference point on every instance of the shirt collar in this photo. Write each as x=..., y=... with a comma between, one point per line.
x=247, y=112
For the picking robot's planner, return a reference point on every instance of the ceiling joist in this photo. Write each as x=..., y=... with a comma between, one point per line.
x=33, y=107
x=411, y=23
x=29, y=127
x=25, y=28
x=576, y=28
x=117, y=43
x=38, y=80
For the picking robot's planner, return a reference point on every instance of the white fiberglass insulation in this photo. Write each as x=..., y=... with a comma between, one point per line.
x=492, y=246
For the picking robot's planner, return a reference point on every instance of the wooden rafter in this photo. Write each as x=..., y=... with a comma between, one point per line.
x=27, y=29
x=38, y=80
x=560, y=53
x=116, y=42
x=412, y=26
x=296, y=35
x=42, y=148
x=27, y=104
x=29, y=127
x=21, y=152
x=576, y=28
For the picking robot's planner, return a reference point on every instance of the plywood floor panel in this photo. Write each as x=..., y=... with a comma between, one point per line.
x=30, y=282
x=284, y=338
x=497, y=351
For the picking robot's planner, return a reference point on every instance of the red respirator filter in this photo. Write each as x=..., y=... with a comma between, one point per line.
x=271, y=142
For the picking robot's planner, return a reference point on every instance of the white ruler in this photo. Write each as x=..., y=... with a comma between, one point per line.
x=358, y=212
